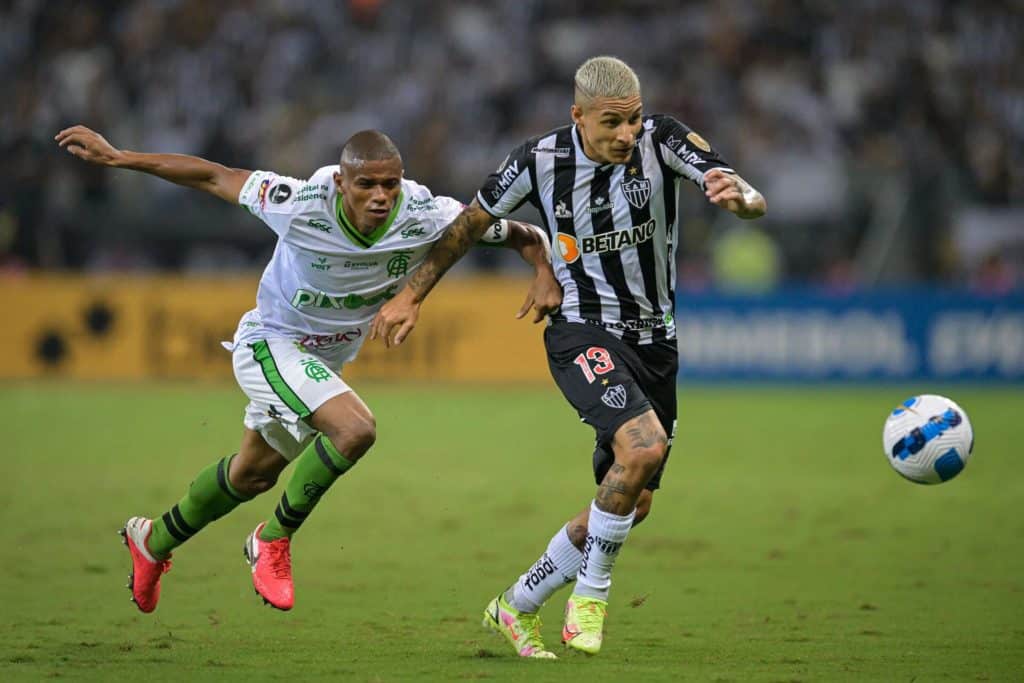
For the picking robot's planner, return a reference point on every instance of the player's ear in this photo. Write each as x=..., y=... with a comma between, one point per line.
x=338, y=180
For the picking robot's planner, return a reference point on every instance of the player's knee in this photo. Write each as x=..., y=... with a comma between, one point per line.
x=645, y=459
x=355, y=437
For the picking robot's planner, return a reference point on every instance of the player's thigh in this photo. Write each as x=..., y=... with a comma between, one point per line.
x=597, y=374
x=658, y=378
x=285, y=385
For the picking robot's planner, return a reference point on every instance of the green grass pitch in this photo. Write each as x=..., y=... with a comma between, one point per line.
x=781, y=548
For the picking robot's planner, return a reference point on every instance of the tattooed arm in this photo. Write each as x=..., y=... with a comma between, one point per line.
x=402, y=311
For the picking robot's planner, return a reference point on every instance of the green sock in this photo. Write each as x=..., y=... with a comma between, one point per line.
x=316, y=468
x=209, y=497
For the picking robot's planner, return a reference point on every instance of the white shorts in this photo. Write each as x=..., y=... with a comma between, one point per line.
x=285, y=383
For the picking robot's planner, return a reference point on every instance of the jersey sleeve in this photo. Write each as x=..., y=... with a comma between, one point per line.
x=449, y=209
x=685, y=152
x=510, y=185
x=271, y=198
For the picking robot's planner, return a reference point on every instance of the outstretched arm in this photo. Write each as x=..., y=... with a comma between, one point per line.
x=182, y=169
x=734, y=194
x=403, y=310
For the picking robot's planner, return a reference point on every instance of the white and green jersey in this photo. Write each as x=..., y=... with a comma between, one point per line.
x=326, y=280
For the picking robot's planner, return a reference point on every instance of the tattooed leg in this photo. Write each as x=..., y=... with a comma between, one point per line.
x=639, y=446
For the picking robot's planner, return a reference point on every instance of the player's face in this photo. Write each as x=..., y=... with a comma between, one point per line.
x=369, y=190
x=608, y=128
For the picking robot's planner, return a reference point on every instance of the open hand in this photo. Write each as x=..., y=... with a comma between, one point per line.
x=88, y=145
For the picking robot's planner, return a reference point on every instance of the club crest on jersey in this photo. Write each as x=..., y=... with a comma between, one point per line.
x=637, y=191
x=614, y=397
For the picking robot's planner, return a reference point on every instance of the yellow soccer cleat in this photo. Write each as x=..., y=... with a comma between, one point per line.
x=520, y=629
x=584, y=623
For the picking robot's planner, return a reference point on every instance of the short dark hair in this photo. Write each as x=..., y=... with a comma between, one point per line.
x=368, y=145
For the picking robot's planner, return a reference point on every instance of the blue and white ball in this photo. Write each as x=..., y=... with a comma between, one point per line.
x=928, y=439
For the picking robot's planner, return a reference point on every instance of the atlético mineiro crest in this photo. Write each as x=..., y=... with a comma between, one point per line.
x=614, y=397
x=637, y=191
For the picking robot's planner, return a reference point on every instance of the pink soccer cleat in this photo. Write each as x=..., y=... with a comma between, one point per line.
x=144, y=581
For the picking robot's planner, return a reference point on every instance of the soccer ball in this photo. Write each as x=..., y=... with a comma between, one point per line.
x=928, y=439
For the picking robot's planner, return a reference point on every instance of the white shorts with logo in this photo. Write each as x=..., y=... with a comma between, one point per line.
x=285, y=383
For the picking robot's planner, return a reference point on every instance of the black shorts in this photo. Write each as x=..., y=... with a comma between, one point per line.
x=610, y=382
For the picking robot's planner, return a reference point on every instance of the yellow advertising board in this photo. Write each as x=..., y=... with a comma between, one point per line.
x=151, y=327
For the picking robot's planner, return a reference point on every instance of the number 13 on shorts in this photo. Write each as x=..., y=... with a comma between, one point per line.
x=602, y=363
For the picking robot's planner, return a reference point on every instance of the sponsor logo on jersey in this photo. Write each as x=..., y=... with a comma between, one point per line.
x=323, y=341
x=413, y=231
x=635, y=324
x=571, y=247
x=304, y=298
x=280, y=193
x=322, y=226
x=261, y=196
x=688, y=156
x=562, y=211
x=320, y=263
x=311, y=191
x=637, y=191
x=557, y=151
x=360, y=265
x=698, y=142
x=600, y=204
x=505, y=180
x=421, y=204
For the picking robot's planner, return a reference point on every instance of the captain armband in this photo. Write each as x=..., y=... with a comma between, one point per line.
x=497, y=233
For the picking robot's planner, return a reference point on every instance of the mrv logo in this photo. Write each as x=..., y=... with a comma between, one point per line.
x=571, y=247
x=507, y=177
x=304, y=298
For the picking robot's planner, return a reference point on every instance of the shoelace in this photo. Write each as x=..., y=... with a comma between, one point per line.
x=531, y=626
x=590, y=616
x=280, y=559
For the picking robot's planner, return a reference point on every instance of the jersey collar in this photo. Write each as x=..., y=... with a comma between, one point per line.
x=358, y=238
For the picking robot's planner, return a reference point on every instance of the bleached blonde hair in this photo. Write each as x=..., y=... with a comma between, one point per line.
x=605, y=77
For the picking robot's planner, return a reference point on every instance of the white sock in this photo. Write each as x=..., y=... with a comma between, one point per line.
x=605, y=535
x=557, y=567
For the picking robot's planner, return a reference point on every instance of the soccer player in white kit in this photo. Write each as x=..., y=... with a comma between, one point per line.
x=348, y=239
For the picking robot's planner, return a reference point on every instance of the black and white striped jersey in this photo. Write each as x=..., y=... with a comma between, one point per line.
x=612, y=226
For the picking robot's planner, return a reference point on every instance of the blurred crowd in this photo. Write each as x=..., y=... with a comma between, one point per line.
x=887, y=135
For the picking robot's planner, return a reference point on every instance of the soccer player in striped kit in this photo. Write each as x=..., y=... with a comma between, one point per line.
x=349, y=237
x=606, y=188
